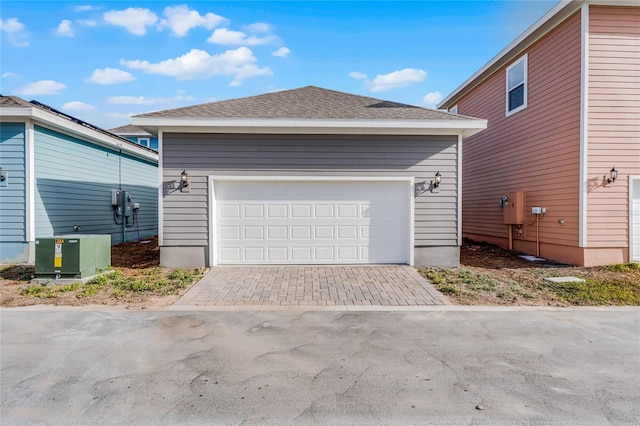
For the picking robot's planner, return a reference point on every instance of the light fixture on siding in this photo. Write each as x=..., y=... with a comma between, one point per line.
x=614, y=175
x=185, y=182
x=437, y=180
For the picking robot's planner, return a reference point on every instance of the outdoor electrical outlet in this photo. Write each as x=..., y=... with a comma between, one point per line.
x=536, y=210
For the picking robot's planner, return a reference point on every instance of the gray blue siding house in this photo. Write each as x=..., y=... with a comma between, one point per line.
x=59, y=174
x=309, y=176
x=137, y=135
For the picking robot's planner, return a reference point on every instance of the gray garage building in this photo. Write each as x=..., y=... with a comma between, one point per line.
x=309, y=176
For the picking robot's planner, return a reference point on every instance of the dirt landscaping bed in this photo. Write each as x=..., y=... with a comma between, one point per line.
x=137, y=282
x=489, y=275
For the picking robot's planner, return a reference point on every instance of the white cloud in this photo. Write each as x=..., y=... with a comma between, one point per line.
x=108, y=76
x=8, y=75
x=357, y=75
x=141, y=100
x=120, y=115
x=83, y=8
x=235, y=83
x=78, y=106
x=236, y=38
x=282, y=52
x=130, y=100
x=198, y=64
x=86, y=22
x=259, y=27
x=432, y=99
x=65, y=29
x=42, y=87
x=181, y=19
x=16, y=32
x=11, y=25
x=397, y=79
x=133, y=19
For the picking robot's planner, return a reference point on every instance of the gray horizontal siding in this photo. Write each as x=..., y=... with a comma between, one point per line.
x=74, y=180
x=13, y=194
x=185, y=215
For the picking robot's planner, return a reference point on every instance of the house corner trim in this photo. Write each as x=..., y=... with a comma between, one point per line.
x=584, y=124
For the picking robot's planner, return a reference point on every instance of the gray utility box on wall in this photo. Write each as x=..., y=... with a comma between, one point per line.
x=72, y=256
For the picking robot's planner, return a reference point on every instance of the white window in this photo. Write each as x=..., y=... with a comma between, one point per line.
x=145, y=142
x=517, y=86
x=454, y=109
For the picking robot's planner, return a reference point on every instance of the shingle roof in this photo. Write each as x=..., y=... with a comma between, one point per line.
x=129, y=129
x=13, y=101
x=307, y=103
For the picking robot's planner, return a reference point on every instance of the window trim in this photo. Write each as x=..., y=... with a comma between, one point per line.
x=524, y=59
x=147, y=142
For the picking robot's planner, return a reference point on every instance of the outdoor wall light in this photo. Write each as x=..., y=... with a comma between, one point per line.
x=614, y=175
x=437, y=180
x=3, y=176
x=184, y=182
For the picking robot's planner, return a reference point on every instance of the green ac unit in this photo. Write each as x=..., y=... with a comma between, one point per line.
x=72, y=256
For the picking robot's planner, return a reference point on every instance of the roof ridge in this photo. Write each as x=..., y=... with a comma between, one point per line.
x=307, y=102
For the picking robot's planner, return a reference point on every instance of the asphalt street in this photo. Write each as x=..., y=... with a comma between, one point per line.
x=438, y=366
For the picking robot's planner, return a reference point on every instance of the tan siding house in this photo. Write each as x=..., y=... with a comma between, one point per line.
x=563, y=109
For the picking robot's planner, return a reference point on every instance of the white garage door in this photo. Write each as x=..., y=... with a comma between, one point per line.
x=635, y=219
x=312, y=222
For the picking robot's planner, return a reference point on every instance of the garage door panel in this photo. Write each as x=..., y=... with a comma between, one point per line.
x=254, y=211
x=344, y=222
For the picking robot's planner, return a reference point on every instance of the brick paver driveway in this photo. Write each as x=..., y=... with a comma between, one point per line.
x=383, y=285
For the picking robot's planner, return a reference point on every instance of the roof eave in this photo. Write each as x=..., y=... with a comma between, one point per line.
x=542, y=26
x=466, y=127
x=67, y=126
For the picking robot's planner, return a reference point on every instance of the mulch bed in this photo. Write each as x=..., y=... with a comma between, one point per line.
x=145, y=254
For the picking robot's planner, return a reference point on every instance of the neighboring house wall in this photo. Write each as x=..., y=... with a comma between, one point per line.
x=613, y=128
x=74, y=180
x=13, y=226
x=153, y=141
x=536, y=150
x=185, y=215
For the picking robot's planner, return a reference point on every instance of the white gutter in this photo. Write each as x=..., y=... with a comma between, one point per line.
x=467, y=127
x=68, y=126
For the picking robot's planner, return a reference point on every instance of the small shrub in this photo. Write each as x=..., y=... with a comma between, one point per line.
x=623, y=267
x=34, y=290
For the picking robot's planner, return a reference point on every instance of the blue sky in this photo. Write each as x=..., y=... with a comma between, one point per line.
x=104, y=61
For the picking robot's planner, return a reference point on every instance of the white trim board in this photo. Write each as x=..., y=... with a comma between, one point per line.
x=410, y=183
x=160, y=192
x=633, y=181
x=459, y=172
x=466, y=126
x=584, y=127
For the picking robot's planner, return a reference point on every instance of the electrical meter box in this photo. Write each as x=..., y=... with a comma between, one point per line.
x=72, y=256
x=513, y=210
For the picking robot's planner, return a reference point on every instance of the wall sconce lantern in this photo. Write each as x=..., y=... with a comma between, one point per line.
x=185, y=182
x=614, y=175
x=437, y=180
